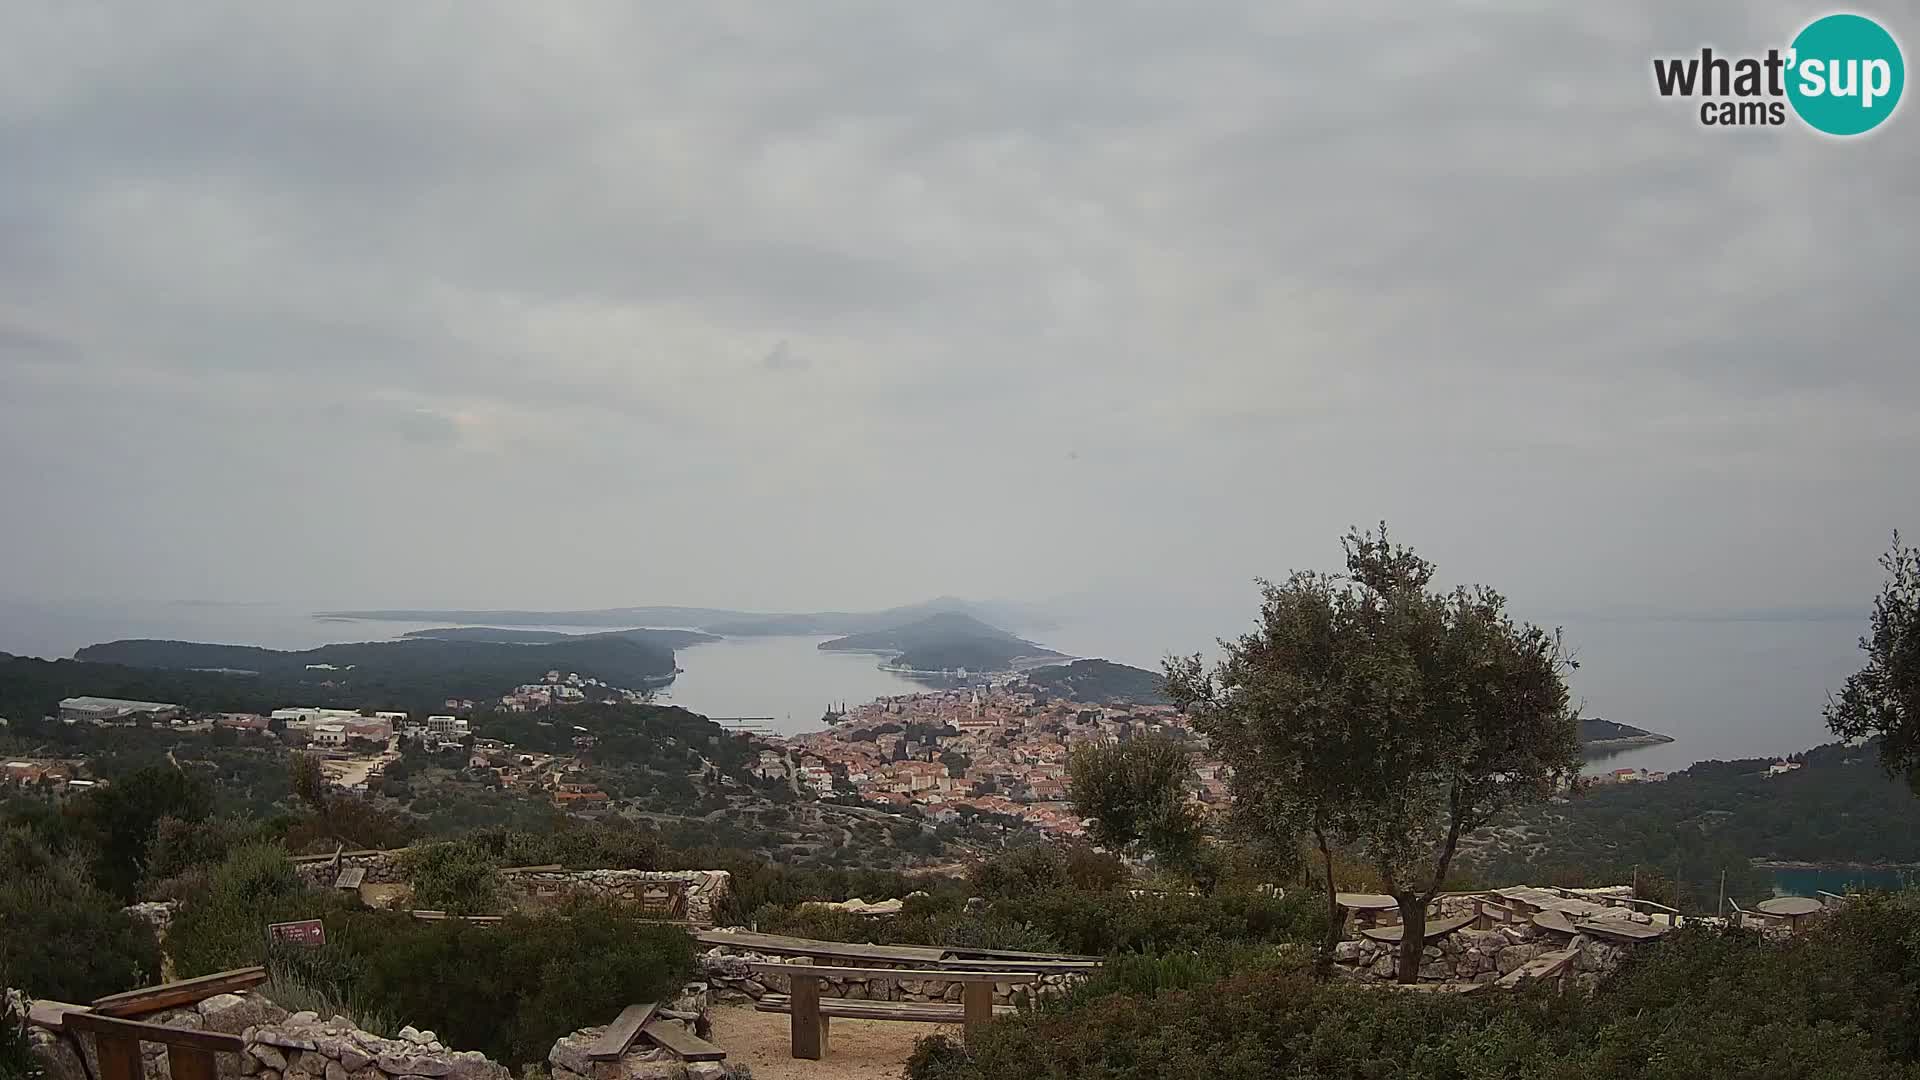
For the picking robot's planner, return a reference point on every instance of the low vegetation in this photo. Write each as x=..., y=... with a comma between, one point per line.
x=1838, y=1004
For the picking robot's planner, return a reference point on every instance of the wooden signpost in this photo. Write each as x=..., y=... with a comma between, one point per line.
x=303, y=932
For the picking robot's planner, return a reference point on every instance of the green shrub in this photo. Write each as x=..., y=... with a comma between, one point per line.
x=60, y=937
x=226, y=926
x=1101, y=923
x=1836, y=1004
x=512, y=989
x=456, y=876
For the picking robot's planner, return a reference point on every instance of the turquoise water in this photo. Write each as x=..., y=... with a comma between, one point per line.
x=1809, y=882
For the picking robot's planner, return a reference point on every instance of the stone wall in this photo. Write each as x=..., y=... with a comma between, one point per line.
x=382, y=867
x=1478, y=956
x=704, y=890
x=1482, y=956
x=281, y=1046
x=734, y=981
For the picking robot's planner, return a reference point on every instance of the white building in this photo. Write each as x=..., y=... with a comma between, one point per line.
x=447, y=725
x=328, y=733
x=299, y=718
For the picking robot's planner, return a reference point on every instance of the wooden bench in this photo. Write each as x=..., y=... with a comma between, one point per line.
x=637, y=1022
x=810, y=1013
x=1433, y=931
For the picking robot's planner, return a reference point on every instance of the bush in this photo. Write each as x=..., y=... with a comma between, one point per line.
x=1101, y=923
x=456, y=876
x=60, y=937
x=226, y=926
x=512, y=989
x=1838, y=1003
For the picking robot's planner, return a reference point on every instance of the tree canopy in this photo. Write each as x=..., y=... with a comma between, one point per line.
x=1883, y=698
x=1372, y=712
x=1136, y=794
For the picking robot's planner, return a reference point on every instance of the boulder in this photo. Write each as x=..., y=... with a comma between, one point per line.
x=235, y=1013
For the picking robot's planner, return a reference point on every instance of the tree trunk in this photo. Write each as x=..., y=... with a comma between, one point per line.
x=1323, y=964
x=1413, y=936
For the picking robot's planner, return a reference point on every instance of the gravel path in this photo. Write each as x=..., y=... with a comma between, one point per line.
x=856, y=1049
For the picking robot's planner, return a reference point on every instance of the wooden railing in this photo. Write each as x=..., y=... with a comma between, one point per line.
x=117, y=1046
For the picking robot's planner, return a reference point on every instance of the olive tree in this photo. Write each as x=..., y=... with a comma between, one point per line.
x=1883, y=698
x=1136, y=794
x=1372, y=713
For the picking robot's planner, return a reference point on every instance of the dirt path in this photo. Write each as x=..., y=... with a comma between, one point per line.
x=856, y=1049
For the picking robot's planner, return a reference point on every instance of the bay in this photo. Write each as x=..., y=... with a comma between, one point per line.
x=1810, y=881
x=1730, y=688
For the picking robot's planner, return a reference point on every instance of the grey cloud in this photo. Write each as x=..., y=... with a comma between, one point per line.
x=1081, y=298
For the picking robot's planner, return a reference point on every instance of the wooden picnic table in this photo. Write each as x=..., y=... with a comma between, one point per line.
x=811, y=1014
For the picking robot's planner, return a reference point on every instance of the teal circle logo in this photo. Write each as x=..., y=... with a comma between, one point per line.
x=1846, y=74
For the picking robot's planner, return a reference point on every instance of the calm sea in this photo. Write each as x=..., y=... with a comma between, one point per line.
x=1799, y=882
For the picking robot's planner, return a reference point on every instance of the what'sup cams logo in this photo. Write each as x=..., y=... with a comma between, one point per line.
x=1842, y=75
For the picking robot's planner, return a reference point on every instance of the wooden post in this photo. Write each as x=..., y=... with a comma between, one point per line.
x=809, y=1027
x=1720, y=908
x=190, y=1063
x=119, y=1056
x=977, y=1000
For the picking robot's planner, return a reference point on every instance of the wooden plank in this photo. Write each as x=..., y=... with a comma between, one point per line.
x=976, y=1000
x=767, y=967
x=1045, y=967
x=613, y=1043
x=683, y=1043
x=1016, y=954
x=809, y=1028
x=781, y=945
x=351, y=878
x=51, y=1014
x=187, y=1063
x=175, y=994
x=920, y=1012
x=108, y=1028
x=1434, y=930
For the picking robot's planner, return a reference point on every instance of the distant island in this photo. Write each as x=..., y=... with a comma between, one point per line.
x=721, y=621
x=948, y=641
x=668, y=639
x=1598, y=734
x=418, y=671
x=1101, y=682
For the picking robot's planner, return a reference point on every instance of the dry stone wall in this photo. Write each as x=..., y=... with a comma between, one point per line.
x=734, y=981
x=281, y=1046
x=382, y=867
x=704, y=890
x=1478, y=956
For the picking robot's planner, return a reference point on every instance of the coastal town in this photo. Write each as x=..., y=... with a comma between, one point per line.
x=1000, y=749
x=996, y=751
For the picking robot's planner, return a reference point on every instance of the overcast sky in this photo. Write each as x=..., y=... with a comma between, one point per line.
x=797, y=305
